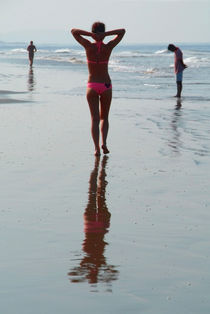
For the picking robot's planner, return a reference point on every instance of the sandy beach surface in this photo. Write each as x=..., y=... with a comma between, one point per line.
x=127, y=233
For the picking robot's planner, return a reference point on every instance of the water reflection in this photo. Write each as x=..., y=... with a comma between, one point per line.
x=175, y=142
x=93, y=267
x=31, y=81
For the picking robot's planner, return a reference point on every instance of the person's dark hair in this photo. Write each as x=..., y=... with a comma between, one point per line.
x=171, y=47
x=98, y=27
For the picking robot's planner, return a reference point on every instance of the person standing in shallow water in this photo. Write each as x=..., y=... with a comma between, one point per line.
x=179, y=67
x=99, y=86
x=31, y=49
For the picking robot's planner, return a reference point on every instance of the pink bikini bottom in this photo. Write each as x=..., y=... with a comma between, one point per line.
x=99, y=88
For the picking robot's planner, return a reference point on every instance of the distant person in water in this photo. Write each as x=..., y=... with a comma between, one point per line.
x=179, y=67
x=99, y=86
x=31, y=49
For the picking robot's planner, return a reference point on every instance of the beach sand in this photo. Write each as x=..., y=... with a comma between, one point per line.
x=150, y=253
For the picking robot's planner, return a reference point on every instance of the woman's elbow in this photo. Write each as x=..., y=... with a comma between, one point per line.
x=73, y=31
x=122, y=32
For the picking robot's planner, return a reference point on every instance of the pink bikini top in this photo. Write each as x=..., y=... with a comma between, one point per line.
x=98, y=45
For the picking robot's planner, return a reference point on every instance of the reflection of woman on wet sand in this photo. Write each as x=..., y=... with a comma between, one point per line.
x=93, y=267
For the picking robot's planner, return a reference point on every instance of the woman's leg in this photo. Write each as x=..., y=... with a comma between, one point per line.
x=93, y=101
x=105, y=102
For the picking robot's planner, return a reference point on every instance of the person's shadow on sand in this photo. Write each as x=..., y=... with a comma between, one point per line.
x=93, y=267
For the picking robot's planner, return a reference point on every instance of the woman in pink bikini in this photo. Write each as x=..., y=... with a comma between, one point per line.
x=99, y=87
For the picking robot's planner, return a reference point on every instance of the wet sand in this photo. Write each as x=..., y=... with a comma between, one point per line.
x=127, y=233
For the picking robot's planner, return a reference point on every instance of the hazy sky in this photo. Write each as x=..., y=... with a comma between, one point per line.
x=145, y=20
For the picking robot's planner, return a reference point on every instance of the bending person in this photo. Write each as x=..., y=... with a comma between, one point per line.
x=179, y=67
x=99, y=86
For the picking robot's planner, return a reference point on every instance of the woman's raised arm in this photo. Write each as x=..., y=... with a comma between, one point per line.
x=78, y=35
x=119, y=35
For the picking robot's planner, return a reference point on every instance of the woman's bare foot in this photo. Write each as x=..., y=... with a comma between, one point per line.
x=105, y=149
x=97, y=153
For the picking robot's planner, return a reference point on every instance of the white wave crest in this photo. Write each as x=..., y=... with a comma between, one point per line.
x=191, y=60
x=163, y=51
x=62, y=59
x=18, y=50
x=152, y=85
x=151, y=70
x=65, y=50
x=132, y=54
x=197, y=62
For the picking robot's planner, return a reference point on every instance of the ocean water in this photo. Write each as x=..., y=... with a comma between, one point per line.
x=137, y=71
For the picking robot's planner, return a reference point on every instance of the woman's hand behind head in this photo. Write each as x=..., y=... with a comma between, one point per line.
x=98, y=36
